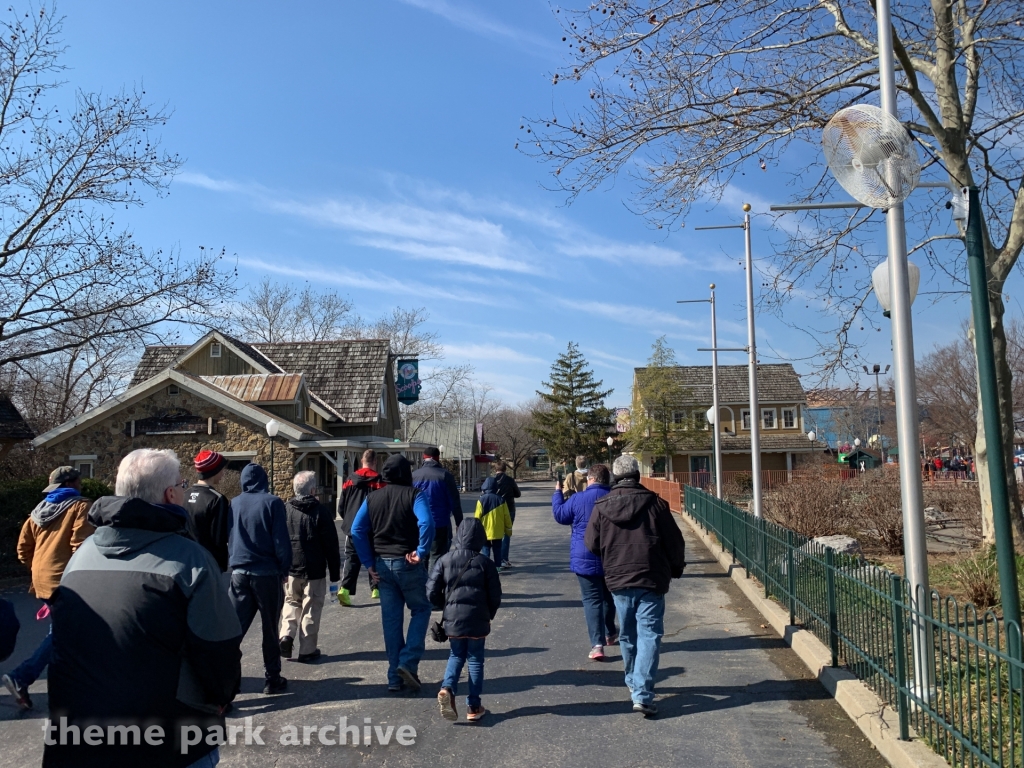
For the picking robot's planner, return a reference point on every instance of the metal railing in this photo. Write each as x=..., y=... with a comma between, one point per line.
x=769, y=477
x=866, y=618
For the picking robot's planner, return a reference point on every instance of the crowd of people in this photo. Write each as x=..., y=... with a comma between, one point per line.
x=152, y=589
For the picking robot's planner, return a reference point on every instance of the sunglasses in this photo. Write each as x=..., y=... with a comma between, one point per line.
x=183, y=485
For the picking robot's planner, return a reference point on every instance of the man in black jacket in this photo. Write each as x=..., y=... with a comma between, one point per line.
x=146, y=642
x=314, y=551
x=361, y=484
x=509, y=491
x=209, y=509
x=642, y=550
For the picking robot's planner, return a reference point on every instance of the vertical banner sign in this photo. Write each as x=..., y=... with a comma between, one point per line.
x=408, y=384
x=622, y=419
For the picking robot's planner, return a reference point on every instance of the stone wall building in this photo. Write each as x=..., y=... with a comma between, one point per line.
x=331, y=400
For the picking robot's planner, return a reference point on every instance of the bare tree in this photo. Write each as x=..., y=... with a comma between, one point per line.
x=404, y=328
x=510, y=427
x=688, y=95
x=276, y=312
x=69, y=274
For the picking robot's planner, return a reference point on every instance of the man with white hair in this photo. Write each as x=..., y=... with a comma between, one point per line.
x=576, y=482
x=144, y=635
x=314, y=551
x=641, y=549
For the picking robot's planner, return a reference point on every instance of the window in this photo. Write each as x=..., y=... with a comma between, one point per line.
x=768, y=418
x=173, y=390
x=84, y=467
x=215, y=349
x=84, y=464
x=700, y=419
x=745, y=418
x=384, y=403
x=678, y=417
x=788, y=418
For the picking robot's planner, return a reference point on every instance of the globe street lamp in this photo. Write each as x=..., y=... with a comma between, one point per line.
x=272, y=428
x=610, y=441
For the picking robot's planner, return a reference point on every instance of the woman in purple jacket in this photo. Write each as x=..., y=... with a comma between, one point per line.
x=598, y=606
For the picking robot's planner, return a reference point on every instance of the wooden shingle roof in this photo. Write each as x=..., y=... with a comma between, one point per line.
x=12, y=425
x=776, y=383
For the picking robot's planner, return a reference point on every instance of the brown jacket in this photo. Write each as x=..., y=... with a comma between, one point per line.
x=46, y=549
x=574, y=483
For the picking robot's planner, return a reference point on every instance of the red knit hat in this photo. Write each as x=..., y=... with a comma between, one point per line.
x=209, y=463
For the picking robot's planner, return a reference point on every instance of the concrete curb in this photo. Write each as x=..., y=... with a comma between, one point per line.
x=874, y=717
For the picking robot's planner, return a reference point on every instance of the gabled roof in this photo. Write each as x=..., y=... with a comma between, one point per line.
x=193, y=384
x=344, y=378
x=12, y=425
x=776, y=383
x=458, y=437
x=261, y=387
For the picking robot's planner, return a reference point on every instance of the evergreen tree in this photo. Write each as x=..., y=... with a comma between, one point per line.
x=572, y=419
x=660, y=423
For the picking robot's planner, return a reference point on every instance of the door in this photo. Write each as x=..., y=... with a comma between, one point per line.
x=700, y=471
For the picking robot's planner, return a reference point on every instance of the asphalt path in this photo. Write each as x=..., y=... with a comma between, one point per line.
x=730, y=692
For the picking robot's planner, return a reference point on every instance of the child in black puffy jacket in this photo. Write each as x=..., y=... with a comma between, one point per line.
x=466, y=584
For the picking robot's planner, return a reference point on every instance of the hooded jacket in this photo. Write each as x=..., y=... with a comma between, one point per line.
x=508, y=489
x=633, y=532
x=314, y=539
x=575, y=482
x=493, y=512
x=146, y=635
x=576, y=511
x=354, y=493
x=258, y=543
x=395, y=520
x=51, y=534
x=438, y=486
x=466, y=584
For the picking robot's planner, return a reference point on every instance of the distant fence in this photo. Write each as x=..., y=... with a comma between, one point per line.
x=866, y=617
x=771, y=478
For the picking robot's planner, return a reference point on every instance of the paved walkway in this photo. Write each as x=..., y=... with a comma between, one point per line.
x=730, y=692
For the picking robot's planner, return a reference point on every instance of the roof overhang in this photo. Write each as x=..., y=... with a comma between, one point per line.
x=375, y=442
x=168, y=376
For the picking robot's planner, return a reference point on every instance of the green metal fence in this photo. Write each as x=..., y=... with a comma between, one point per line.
x=864, y=614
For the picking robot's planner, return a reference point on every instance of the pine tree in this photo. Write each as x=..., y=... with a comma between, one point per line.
x=572, y=420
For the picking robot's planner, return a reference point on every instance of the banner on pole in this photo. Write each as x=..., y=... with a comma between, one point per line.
x=408, y=384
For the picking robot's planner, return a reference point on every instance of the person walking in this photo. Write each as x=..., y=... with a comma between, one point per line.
x=598, y=606
x=208, y=508
x=465, y=585
x=53, y=532
x=353, y=494
x=576, y=481
x=315, y=551
x=144, y=633
x=394, y=529
x=492, y=510
x=509, y=491
x=260, y=556
x=641, y=549
x=438, y=486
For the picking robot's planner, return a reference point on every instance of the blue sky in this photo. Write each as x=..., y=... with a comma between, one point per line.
x=369, y=147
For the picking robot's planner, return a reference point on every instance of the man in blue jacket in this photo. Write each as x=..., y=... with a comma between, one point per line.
x=260, y=556
x=392, y=533
x=438, y=486
x=598, y=606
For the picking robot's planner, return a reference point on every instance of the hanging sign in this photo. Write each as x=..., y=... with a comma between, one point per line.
x=408, y=384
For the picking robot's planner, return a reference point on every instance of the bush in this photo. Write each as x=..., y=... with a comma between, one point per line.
x=814, y=503
x=878, y=507
x=978, y=576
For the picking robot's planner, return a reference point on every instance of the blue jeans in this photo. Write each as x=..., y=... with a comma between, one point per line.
x=642, y=623
x=209, y=760
x=403, y=584
x=508, y=539
x=464, y=648
x=31, y=668
x=492, y=549
x=251, y=594
x=598, y=608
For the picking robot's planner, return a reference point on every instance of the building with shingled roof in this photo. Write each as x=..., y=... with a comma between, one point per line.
x=331, y=399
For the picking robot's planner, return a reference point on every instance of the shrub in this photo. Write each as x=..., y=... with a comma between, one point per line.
x=816, y=502
x=878, y=508
x=978, y=575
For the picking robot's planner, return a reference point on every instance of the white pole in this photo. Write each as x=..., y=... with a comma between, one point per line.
x=755, y=406
x=907, y=426
x=714, y=398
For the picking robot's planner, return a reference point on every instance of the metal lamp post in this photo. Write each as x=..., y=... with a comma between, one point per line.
x=272, y=428
x=877, y=370
x=751, y=350
x=713, y=411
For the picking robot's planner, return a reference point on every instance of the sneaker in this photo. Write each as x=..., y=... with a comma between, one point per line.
x=409, y=678
x=375, y=594
x=286, y=647
x=275, y=685
x=396, y=687
x=611, y=640
x=506, y=564
x=500, y=569
x=597, y=653
x=446, y=703
x=308, y=658
x=20, y=694
x=475, y=713
x=345, y=597
x=647, y=710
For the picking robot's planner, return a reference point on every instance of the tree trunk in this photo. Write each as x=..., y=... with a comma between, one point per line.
x=1004, y=381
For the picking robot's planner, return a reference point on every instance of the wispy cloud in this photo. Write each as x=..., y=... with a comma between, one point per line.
x=474, y=352
x=598, y=354
x=525, y=335
x=469, y=18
